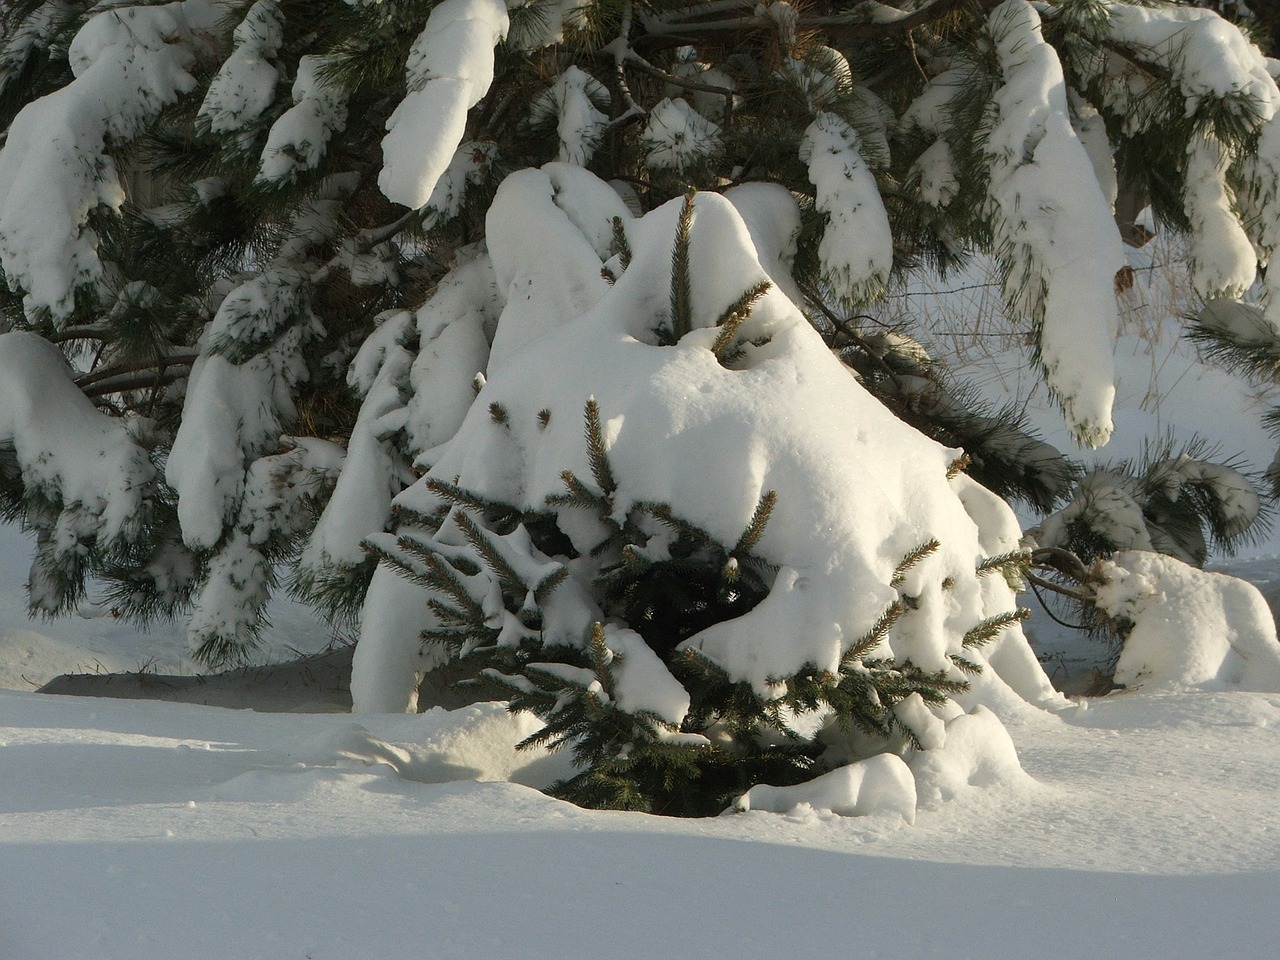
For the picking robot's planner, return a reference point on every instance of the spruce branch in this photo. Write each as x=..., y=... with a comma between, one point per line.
x=755, y=528
x=1003, y=561
x=601, y=658
x=619, y=246
x=682, y=319
x=746, y=302
x=959, y=465
x=965, y=665
x=508, y=577
x=914, y=556
x=597, y=452
x=548, y=584
x=874, y=635
x=989, y=628
x=578, y=494
x=725, y=345
x=453, y=494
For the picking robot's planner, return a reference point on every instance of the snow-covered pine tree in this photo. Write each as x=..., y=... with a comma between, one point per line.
x=286, y=281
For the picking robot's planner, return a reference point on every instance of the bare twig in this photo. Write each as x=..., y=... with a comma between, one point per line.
x=665, y=33
x=366, y=240
x=620, y=50
x=121, y=377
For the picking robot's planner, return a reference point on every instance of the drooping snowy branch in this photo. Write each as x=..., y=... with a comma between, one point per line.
x=411, y=403
x=857, y=248
x=450, y=68
x=1210, y=59
x=1223, y=261
x=228, y=610
x=677, y=137
x=371, y=475
x=1053, y=229
x=1227, y=92
x=246, y=82
x=83, y=474
x=298, y=140
x=930, y=114
x=572, y=106
x=129, y=64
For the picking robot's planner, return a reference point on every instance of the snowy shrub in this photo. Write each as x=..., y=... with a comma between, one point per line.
x=630, y=538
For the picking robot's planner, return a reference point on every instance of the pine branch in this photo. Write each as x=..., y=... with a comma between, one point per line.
x=92, y=383
x=926, y=549
x=988, y=629
x=597, y=453
x=490, y=554
x=874, y=635
x=755, y=528
x=662, y=33
x=682, y=319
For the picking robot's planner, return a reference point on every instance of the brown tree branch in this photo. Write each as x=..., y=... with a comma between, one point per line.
x=661, y=33
x=136, y=376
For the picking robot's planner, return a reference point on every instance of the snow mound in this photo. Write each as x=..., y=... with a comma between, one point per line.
x=443, y=746
x=977, y=751
x=878, y=785
x=1191, y=628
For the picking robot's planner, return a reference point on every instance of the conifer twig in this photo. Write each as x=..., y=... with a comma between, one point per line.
x=597, y=454
x=681, y=282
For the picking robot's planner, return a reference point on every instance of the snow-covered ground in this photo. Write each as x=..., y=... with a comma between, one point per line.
x=144, y=830
x=1148, y=828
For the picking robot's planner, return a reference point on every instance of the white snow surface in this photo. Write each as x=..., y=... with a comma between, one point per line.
x=153, y=831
